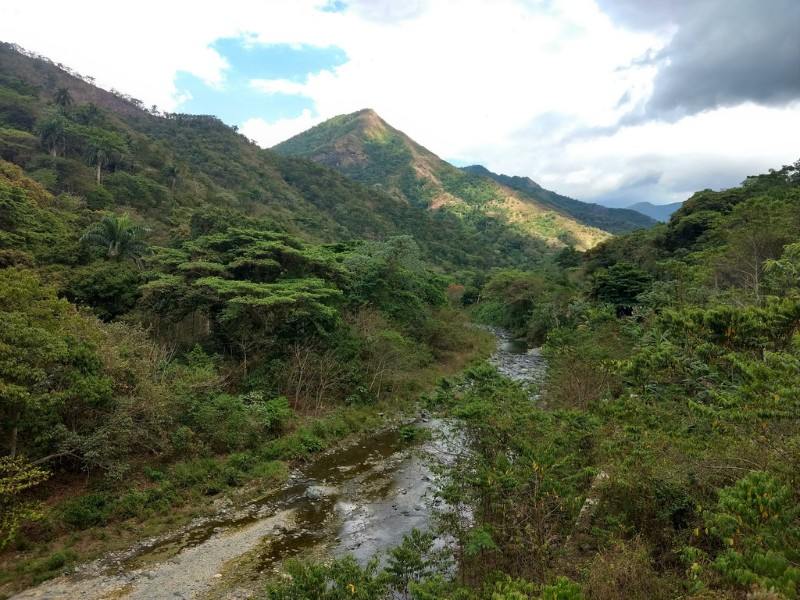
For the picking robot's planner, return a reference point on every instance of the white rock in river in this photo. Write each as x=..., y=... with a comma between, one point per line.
x=317, y=492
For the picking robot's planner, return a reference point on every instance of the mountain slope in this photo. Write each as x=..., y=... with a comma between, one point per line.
x=613, y=220
x=169, y=170
x=364, y=147
x=659, y=212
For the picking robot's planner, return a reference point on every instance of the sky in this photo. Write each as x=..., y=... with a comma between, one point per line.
x=611, y=101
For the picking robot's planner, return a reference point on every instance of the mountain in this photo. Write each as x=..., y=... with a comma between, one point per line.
x=365, y=148
x=613, y=220
x=170, y=170
x=659, y=212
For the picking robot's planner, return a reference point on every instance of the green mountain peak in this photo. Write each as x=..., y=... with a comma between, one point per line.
x=366, y=148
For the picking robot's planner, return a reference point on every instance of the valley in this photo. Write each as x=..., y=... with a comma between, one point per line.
x=342, y=367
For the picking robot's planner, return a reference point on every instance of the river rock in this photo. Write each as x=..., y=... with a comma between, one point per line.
x=318, y=492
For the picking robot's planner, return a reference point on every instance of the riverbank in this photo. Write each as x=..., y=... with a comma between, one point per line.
x=218, y=488
x=358, y=499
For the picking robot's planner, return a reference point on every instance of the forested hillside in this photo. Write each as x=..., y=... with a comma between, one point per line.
x=613, y=220
x=367, y=149
x=109, y=150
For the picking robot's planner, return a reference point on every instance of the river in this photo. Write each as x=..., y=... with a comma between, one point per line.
x=361, y=499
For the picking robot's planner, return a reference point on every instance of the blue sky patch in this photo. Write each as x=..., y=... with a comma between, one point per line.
x=236, y=100
x=334, y=6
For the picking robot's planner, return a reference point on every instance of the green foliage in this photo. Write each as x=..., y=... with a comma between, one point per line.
x=110, y=288
x=118, y=238
x=228, y=423
x=620, y=284
x=391, y=277
x=87, y=511
x=341, y=579
x=50, y=375
x=414, y=561
x=50, y=566
x=17, y=476
x=28, y=222
x=522, y=480
x=138, y=191
x=758, y=520
x=562, y=589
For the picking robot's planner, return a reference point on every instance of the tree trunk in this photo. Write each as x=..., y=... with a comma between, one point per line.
x=12, y=442
x=99, y=167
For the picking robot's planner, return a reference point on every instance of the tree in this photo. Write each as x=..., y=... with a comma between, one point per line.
x=62, y=97
x=172, y=172
x=782, y=276
x=51, y=382
x=756, y=233
x=103, y=147
x=53, y=134
x=620, y=284
x=119, y=237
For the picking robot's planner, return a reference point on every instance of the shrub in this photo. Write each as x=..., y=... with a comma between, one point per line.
x=562, y=589
x=758, y=519
x=625, y=570
x=342, y=579
x=136, y=190
x=87, y=511
x=99, y=198
x=50, y=566
x=142, y=503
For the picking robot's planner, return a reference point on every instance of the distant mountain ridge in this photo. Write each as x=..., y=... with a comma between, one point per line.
x=613, y=220
x=659, y=212
x=366, y=148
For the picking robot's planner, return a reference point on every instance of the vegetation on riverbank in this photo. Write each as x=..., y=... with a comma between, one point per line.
x=673, y=370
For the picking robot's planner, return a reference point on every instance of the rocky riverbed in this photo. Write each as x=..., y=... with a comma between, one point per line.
x=514, y=359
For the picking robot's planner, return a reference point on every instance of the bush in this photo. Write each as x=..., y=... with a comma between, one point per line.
x=625, y=570
x=50, y=566
x=110, y=288
x=87, y=511
x=562, y=589
x=136, y=190
x=99, y=198
x=143, y=503
x=758, y=519
x=342, y=579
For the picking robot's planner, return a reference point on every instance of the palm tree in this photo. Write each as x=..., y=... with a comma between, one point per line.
x=120, y=237
x=53, y=133
x=62, y=97
x=103, y=147
x=172, y=172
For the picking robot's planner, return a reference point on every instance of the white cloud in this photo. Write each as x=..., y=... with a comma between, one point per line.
x=270, y=133
x=502, y=82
